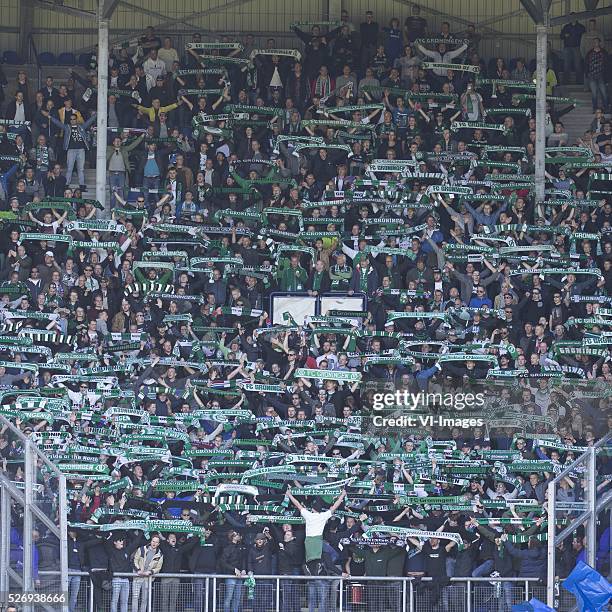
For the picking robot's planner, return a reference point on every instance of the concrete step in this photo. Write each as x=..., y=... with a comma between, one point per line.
x=578, y=120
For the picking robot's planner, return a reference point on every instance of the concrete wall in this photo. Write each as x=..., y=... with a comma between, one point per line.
x=54, y=31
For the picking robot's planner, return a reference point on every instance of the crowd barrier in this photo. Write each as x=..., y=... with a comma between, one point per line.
x=292, y=593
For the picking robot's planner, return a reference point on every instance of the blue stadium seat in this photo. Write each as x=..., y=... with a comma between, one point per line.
x=66, y=59
x=47, y=59
x=84, y=60
x=11, y=57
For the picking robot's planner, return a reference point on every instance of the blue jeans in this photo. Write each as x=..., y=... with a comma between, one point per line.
x=74, y=584
x=120, y=594
x=291, y=593
x=572, y=62
x=233, y=595
x=116, y=182
x=450, y=566
x=150, y=182
x=318, y=594
x=200, y=592
x=484, y=569
x=598, y=91
x=75, y=157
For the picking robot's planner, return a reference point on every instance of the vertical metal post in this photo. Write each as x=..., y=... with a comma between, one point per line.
x=341, y=602
x=404, y=595
x=469, y=596
x=591, y=533
x=214, y=601
x=541, y=70
x=27, y=517
x=102, y=119
x=526, y=590
x=277, y=595
x=5, y=539
x=334, y=9
x=26, y=21
x=207, y=586
x=550, y=562
x=150, y=594
x=63, y=535
x=91, y=593
x=411, y=595
x=610, y=545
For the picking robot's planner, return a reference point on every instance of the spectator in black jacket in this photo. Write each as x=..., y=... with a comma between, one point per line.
x=233, y=561
x=290, y=561
x=261, y=561
x=76, y=562
x=203, y=560
x=499, y=561
x=173, y=561
x=119, y=551
x=96, y=561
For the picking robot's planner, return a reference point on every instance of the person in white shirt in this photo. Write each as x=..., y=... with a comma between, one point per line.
x=167, y=54
x=315, y=525
x=153, y=66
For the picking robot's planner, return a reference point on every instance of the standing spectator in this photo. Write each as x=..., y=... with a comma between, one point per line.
x=119, y=563
x=148, y=561
x=168, y=54
x=571, y=35
x=532, y=560
x=76, y=142
x=118, y=165
x=415, y=26
x=153, y=66
x=587, y=41
x=368, y=31
x=204, y=560
x=173, y=554
x=393, y=41
x=595, y=67
x=42, y=156
x=76, y=563
x=315, y=525
x=233, y=562
x=261, y=561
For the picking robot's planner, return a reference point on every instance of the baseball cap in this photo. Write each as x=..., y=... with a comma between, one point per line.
x=49, y=254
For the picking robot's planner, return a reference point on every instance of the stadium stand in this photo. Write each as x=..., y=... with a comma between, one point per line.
x=288, y=236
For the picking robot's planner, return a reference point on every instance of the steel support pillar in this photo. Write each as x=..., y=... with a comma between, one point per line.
x=28, y=523
x=591, y=531
x=102, y=119
x=541, y=69
x=334, y=10
x=550, y=561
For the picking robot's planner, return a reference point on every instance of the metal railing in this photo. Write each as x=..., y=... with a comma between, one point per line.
x=33, y=55
x=294, y=593
x=586, y=509
x=27, y=505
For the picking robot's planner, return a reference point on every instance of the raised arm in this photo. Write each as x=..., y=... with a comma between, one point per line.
x=338, y=502
x=295, y=502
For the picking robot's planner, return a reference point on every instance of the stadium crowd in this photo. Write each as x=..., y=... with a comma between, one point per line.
x=203, y=431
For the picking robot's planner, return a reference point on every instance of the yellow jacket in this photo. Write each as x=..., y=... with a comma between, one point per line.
x=61, y=113
x=152, y=114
